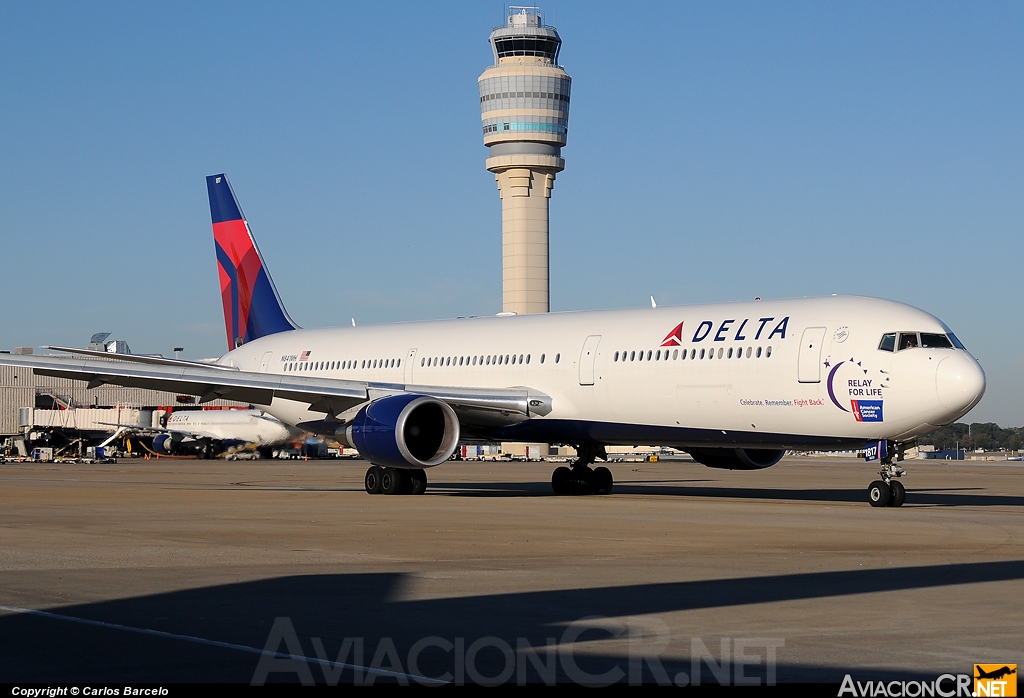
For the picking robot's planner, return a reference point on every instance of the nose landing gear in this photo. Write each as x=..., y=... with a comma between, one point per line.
x=580, y=478
x=888, y=492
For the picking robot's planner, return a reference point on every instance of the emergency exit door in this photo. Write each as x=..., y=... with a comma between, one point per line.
x=809, y=362
x=587, y=357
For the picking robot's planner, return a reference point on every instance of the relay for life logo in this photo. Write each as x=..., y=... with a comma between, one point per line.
x=848, y=383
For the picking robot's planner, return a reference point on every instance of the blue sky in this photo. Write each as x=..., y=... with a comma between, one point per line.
x=717, y=151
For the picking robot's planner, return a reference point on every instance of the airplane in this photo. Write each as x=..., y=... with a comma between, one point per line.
x=996, y=674
x=208, y=433
x=735, y=385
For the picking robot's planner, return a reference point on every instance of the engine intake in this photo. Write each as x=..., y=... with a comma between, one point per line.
x=405, y=431
x=737, y=458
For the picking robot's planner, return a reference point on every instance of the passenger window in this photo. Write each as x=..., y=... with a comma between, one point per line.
x=768, y=353
x=701, y=353
x=520, y=358
x=542, y=357
x=557, y=358
x=527, y=358
x=759, y=352
x=399, y=364
x=935, y=341
x=632, y=355
x=616, y=356
x=675, y=354
x=648, y=354
x=720, y=352
x=729, y=356
x=908, y=340
x=888, y=342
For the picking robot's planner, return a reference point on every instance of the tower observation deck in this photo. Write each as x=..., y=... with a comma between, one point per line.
x=524, y=107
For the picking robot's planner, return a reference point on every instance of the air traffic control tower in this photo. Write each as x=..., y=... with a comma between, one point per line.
x=524, y=105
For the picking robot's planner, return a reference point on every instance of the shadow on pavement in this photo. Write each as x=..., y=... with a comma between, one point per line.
x=333, y=607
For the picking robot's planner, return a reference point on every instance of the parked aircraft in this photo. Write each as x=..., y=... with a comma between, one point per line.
x=733, y=384
x=210, y=433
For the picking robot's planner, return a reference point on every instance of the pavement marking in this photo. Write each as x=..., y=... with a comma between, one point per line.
x=218, y=643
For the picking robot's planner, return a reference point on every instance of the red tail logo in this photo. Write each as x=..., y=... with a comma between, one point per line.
x=674, y=338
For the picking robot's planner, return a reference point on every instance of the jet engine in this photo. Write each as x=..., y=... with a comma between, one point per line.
x=405, y=431
x=165, y=443
x=737, y=458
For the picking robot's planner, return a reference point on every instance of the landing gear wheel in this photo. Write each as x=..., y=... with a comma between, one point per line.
x=415, y=481
x=560, y=480
x=372, y=480
x=899, y=493
x=391, y=481
x=581, y=480
x=601, y=480
x=879, y=493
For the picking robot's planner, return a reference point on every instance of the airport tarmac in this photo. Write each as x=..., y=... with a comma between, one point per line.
x=176, y=570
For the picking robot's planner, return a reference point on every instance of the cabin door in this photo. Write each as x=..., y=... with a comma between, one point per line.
x=409, y=363
x=809, y=361
x=587, y=357
x=265, y=361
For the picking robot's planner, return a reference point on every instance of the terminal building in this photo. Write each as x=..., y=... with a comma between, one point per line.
x=33, y=408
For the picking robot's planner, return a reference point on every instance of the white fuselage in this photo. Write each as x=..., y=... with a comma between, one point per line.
x=246, y=426
x=773, y=374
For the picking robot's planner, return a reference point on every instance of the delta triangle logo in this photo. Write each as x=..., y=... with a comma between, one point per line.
x=674, y=338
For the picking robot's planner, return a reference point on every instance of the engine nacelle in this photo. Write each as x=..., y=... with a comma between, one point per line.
x=405, y=431
x=165, y=443
x=737, y=458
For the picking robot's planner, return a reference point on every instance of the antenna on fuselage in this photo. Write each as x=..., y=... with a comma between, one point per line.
x=353, y=322
x=653, y=303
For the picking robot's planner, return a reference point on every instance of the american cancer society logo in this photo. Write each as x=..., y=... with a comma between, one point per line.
x=995, y=680
x=867, y=410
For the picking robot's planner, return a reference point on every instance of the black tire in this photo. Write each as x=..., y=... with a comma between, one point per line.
x=417, y=481
x=372, y=479
x=581, y=481
x=899, y=494
x=560, y=480
x=602, y=480
x=391, y=481
x=879, y=494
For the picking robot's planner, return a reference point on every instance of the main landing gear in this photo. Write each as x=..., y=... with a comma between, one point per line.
x=580, y=478
x=395, y=480
x=888, y=492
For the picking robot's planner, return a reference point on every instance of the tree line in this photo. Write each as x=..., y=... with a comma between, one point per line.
x=988, y=435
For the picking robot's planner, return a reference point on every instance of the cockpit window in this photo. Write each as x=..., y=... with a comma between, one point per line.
x=935, y=341
x=956, y=342
x=908, y=340
x=888, y=342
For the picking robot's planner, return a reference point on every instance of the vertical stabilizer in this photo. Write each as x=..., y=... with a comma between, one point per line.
x=252, y=307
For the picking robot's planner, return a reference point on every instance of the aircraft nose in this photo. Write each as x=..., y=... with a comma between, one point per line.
x=959, y=382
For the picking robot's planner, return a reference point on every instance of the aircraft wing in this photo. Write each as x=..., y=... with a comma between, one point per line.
x=474, y=406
